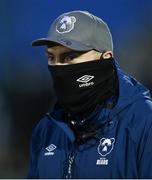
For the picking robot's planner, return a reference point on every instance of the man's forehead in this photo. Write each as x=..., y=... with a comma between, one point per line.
x=58, y=49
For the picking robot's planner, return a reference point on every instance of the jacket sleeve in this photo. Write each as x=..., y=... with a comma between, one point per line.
x=35, y=147
x=145, y=161
x=32, y=169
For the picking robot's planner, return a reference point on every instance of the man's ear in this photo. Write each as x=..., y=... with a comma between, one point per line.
x=107, y=55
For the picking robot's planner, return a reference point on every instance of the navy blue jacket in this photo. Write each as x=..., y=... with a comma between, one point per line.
x=123, y=148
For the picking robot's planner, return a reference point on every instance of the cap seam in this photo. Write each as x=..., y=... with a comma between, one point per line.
x=94, y=29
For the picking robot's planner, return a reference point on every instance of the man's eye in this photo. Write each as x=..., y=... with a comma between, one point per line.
x=50, y=57
x=71, y=56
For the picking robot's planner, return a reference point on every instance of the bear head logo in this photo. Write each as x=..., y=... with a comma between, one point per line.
x=106, y=146
x=66, y=24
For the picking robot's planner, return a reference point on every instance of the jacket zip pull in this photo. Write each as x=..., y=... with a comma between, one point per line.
x=70, y=164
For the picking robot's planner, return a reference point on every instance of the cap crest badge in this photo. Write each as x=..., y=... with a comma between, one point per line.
x=66, y=24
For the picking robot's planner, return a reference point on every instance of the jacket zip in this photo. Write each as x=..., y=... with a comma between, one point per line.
x=70, y=166
x=69, y=172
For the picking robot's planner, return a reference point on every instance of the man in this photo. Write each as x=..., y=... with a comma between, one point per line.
x=101, y=125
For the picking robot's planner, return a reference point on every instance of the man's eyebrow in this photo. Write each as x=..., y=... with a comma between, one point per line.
x=47, y=51
x=68, y=52
x=63, y=54
x=72, y=51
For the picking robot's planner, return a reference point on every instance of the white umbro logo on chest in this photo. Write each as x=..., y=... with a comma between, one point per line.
x=50, y=150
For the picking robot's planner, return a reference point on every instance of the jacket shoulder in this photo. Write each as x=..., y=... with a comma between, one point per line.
x=140, y=119
x=143, y=108
x=142, y=134
x=42, y=125
x=40, y=131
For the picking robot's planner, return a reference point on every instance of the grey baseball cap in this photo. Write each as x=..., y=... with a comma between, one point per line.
x=78, y=30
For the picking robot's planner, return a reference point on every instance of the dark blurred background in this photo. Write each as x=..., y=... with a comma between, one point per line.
x=25, y=83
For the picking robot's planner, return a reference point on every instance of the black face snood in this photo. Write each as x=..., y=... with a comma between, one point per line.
x=81, y=87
